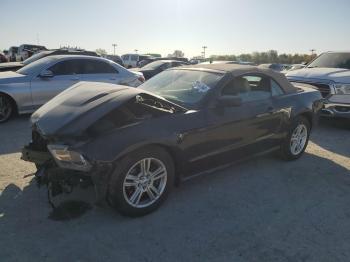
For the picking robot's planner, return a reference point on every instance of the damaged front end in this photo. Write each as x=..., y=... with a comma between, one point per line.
x=61, y=170
x=77, y=135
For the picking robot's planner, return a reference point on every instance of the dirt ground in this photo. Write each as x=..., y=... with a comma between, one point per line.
x=264, y=209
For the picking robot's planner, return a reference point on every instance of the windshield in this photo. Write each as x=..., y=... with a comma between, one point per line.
x=154, y=65
x=35, y=57
x=35, y=66
x=184, y=87
x=332, y=60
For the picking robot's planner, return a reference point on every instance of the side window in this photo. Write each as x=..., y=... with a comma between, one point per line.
x=133, y=57
x=125, y=57
x=249, y=88
x=276, y=90
x=68, y=67
x=97, y=67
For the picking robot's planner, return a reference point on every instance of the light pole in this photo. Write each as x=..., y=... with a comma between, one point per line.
x=204, y=47
x=312, y=51
x=114, y=46
x=136, y=51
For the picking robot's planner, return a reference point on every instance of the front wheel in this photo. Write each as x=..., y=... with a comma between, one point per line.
x=296, y=142
x=6, y=108
x=141, y=181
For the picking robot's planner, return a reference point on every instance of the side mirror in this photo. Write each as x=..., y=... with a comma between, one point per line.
x=46, y=74
x=229, y=101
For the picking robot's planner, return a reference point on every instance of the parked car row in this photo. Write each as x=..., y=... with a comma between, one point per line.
x=22, y=52
x=153, y=68
x=132, y=60
x=14, y=66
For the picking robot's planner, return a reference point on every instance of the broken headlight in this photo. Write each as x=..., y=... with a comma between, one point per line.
x=66, y=158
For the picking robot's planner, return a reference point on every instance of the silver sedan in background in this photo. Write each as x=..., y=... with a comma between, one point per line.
x=30, y=87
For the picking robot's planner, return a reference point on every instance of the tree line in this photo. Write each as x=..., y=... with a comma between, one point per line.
x=270, y=56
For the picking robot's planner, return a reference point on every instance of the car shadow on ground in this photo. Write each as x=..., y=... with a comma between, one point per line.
x=337, y=175
x=332, y=135
x=263, y=209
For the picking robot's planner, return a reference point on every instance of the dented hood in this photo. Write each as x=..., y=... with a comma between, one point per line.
x=76, y=108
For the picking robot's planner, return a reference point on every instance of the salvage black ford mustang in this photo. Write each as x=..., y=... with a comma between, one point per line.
x=134, y=144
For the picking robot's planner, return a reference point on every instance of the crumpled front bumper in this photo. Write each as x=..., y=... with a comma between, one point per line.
x=337, y=106
x=35, y=156
x=60, y=180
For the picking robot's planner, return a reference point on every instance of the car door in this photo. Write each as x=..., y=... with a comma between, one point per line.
x=100, y=71
x=258, y=100
x=64, y=74
x=235, y=132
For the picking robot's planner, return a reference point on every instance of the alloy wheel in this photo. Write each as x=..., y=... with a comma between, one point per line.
x=298, y=139
x=145, y=182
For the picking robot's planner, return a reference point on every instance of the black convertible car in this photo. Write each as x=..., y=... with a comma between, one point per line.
x=134, y=144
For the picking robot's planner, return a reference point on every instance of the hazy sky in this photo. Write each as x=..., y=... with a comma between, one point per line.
x=161, y=26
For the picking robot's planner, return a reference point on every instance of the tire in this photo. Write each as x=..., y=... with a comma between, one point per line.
x=293, y=146
x=130, y=190
x=7, y=108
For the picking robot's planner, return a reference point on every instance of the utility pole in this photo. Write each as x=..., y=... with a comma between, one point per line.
x=312, y=51
x=114, y=46
x=204, y=47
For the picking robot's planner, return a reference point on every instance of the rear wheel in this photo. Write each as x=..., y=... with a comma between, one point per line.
x=6, y=108
x=141, y=181
x=296, y=142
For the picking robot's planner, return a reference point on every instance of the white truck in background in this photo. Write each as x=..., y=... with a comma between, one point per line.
x=330, y=74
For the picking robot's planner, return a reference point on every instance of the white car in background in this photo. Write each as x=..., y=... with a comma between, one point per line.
x=33, y=85
x=132, y=60
x=330, y=74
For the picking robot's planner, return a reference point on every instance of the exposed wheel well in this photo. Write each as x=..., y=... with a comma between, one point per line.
x=176, y=162
x=172, y=154
x=12, y=101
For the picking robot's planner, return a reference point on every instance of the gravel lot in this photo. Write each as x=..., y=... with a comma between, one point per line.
x=264, y=209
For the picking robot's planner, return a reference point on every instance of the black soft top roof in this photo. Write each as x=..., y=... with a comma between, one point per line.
x=237, y=70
